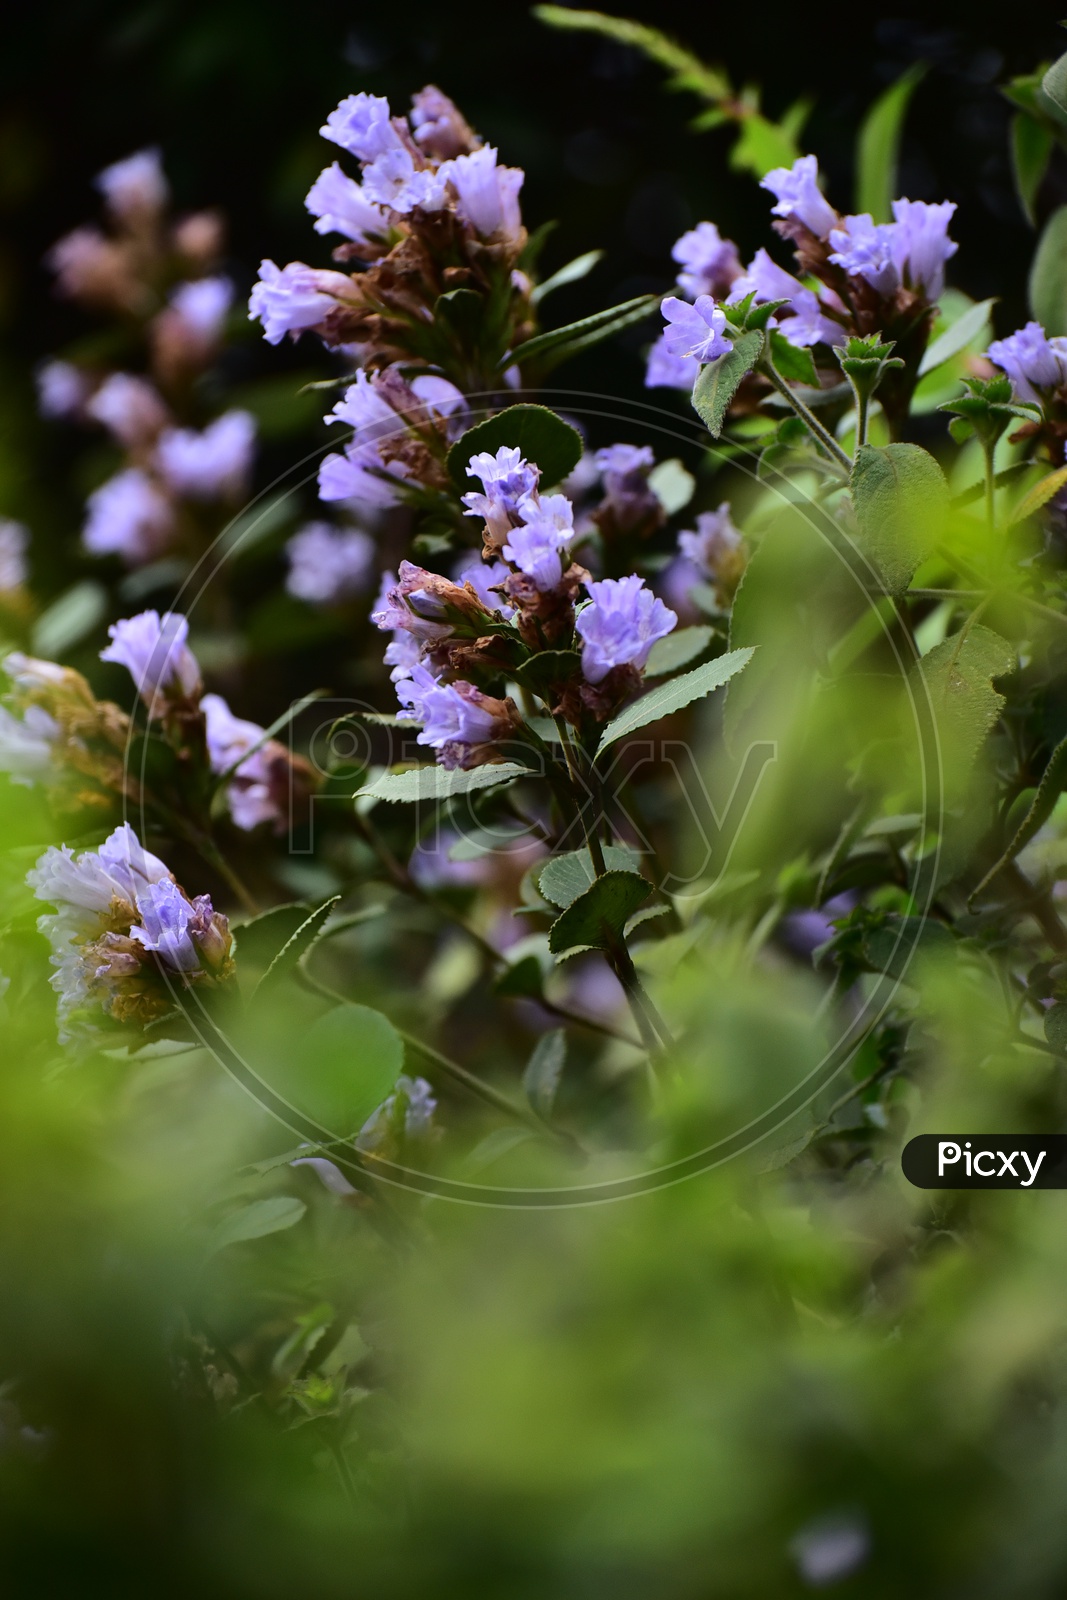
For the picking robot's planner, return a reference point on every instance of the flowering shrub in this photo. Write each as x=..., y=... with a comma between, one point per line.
x=695, y=808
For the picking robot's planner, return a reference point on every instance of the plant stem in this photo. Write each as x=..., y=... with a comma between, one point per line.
x=808, y=418
x=990, y=486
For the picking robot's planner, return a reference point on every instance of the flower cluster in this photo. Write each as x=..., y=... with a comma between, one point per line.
x=401, y=434
x=162, y=275
x=124, y=934
x=56, y=734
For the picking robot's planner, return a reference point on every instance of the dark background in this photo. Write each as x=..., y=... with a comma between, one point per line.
x=235, y=90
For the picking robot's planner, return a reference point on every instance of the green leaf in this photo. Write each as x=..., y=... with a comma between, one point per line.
x=1052, y=785
x=596, y=919
x=793, y=363
x=538, y=433
x=761, y=145
x=256, y=1221
x=1031, y=149
x=1039, y=495
x=295, y=948
x=463, y=313
x=686, y=70
x=1054, y=87
x=672, y=485
x=1048, y=275
x=69, y=619
x=564, y=878
x=573, y=272
x=957, y=337
x=675, y=694
x=891, y=947
x=550, y=349
x=434, y=783
x=523, y=977
x=900, y=495
x=337, y=1071
x=668, y=654
x=879, y=146
x=544, y=1070
x=958, y=675
x=261, y=938
x=719, y=380
x=546, y=668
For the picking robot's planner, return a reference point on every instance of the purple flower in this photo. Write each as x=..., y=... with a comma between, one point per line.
x=695, y=330
x=363, y=409
x=714, y=539
x=130, y=517
x=250, y=794
x=27, y=744
x=402, y=654
x=483, y=577
x=394, y=181
x=507, y=479
x=1032, y=361
x=90, y=881
x=202, y=305
x=413, y=1097
x=665, y=371
x=153, y=649
x=921, y=245
x=166, y=916
x=864, y=248
x=134, y=186
x=410, y=605
x=209, y=464
x=440, y=398
x=292, y=298
x=361, y=475
x=341, y=207
x=797, y=194
x=362, y=126
x=327, y=564
x=62, y=389
x=14, y=541
x=440, y=128
x=129, y=408
x=487, y=196
x=535, y=547
x=450, y=713
x=764, y=278
x=710, y=263
x=621, y=626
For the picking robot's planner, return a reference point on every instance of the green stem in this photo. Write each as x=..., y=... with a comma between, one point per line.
x=863, y=406
x=596, y=854
x=990, y=485
x=808, y=418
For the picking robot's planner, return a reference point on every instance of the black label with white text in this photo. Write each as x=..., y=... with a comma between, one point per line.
x=986, y=1161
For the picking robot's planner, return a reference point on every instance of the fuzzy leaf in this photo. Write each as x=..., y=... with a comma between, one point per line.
x=538, y=433
x=793, y=362
x=551, y=349
x=546, y=668
x=564, y=878
x=573, y=272
x=596, y=919
x=899, y=493
x=719, y=380
x=958, y=675
x=434, y=783
x=675, y=694
x=338, y=1070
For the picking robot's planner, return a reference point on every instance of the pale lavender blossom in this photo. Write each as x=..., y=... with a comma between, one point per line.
x=154, y=651
x=14, y=542
x=129, y=408
x=27, y=744
x=340, y=206
x=797, y=194
x=82, y=887
x=361, y=475
x=621, y=625
x=438, y=126
x=293, y=298
x=695, y=330
x=487, y=195
x=507, y=479
x=250, y=794
x=1033, y=362
x=166, y=916
x=62, y=388
x=361, y=125
x=864, y=248
x=129, y=516
x=210, y=464
x=402, y=654
x=713, y=539
x=441, y=398
x=393, y=180
x=134, y=186
x=709, y=262
x=536, y=547
x=450, y=713
x=409, y=605
x=665, y=371
x=415, y=1098
x=363, y=408
x=764, y=278
x=83, y=261
x=327, y=564
x=484, y=577
x=830, y=1549
x=202, y=305
x=921, y=245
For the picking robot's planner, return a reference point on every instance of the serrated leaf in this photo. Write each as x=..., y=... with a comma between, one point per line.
x=957, y=337
x=1039, y=495
x=256, y=1221
x=294, y=949
x=879, y=145
x=1048, y=275
x=261, y=938
x=435, y=783
x=1031, y=150
x=900, y=494
x=573, y=272
x=1052, y=785
x=668, y=654
x=564, y=878
x=544, y=1070
x=596, y=919
x=958, y=675
x=537, y=432
x=675, y=694
x=720, y=380
x=548, y=350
